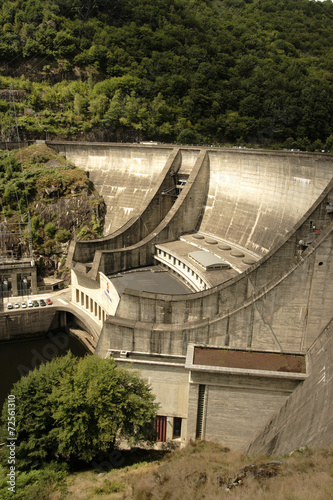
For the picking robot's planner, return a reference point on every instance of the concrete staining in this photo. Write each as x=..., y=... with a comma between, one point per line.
x=263, y=212
x=125, y=178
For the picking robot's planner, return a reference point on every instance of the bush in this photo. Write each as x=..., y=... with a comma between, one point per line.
x=62, y=235
x=109, y=487
x=50, y=229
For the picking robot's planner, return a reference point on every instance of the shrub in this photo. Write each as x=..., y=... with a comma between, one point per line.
x=62, y=235
x=50, y=229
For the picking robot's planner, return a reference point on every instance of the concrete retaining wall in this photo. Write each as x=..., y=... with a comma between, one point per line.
x=307, y=417
x=31, y=322
x=18, y=324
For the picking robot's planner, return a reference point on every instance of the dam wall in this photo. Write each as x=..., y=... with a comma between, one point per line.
x=306, y=418
x=273, y=211
x=226, y=299
x=124, y=176
x=183, y=217
x=255, y=198
x=285, y=315
x=139, y=226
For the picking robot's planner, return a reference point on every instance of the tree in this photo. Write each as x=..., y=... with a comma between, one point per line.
x=74, y=410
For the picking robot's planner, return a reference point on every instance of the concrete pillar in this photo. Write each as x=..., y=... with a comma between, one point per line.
x=34, y=280
x=62, y=319
x=13, y=276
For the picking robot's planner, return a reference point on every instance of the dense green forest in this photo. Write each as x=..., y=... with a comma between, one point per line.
x=245, y=72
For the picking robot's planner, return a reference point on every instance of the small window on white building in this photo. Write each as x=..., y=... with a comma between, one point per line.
x=177, y=427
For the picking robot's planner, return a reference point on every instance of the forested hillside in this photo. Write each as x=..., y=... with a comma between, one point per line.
x=189, y=71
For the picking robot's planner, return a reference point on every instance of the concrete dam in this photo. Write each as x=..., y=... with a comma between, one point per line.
x=214, y=279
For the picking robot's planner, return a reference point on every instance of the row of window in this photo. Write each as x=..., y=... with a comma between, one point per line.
x=90, y=305
x=183, y=267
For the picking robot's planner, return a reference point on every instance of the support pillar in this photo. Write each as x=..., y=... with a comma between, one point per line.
x=34, y=280
x=14, y=284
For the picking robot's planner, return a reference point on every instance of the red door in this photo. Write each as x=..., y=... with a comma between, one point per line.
x=160, y=427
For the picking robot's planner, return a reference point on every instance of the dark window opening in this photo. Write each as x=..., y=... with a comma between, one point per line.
x=201, y=401
x=177, y=427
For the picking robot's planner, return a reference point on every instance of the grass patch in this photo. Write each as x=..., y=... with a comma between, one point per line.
x=109, y=487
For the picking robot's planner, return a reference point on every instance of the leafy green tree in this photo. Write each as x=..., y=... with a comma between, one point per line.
x=74, y=410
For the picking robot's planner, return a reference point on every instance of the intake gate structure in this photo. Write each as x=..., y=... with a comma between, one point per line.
x=232, y=357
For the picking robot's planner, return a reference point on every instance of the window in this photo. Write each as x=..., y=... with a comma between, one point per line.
x=177, y=427
x=200, y=414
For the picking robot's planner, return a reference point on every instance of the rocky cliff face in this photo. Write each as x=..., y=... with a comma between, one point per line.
x=61, y=200
x=81, y=215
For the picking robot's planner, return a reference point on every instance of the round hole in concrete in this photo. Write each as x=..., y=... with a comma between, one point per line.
x=198, y=237
x=320, y=263
x=210, y=241
x=224, y=247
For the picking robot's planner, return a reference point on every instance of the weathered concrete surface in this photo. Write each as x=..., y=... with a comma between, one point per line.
x=17, y=324
x=240, y=406
x=282, y=303
x=152, y=212
x=124, y=176
x=307, y=417
x=181, y=218
x=256, y=197
x=287, y=315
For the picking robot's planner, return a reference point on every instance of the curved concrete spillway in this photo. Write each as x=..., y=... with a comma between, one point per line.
x=263, y=215
x=125, y=177
x=255, y=198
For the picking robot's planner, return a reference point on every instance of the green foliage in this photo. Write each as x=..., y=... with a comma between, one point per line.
x=75, y=409
x=33, y=178
x=50, y=229
x=236, y=70
x=109, y=487
x=97, y=226
x=36, y=484
x=62, y=235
